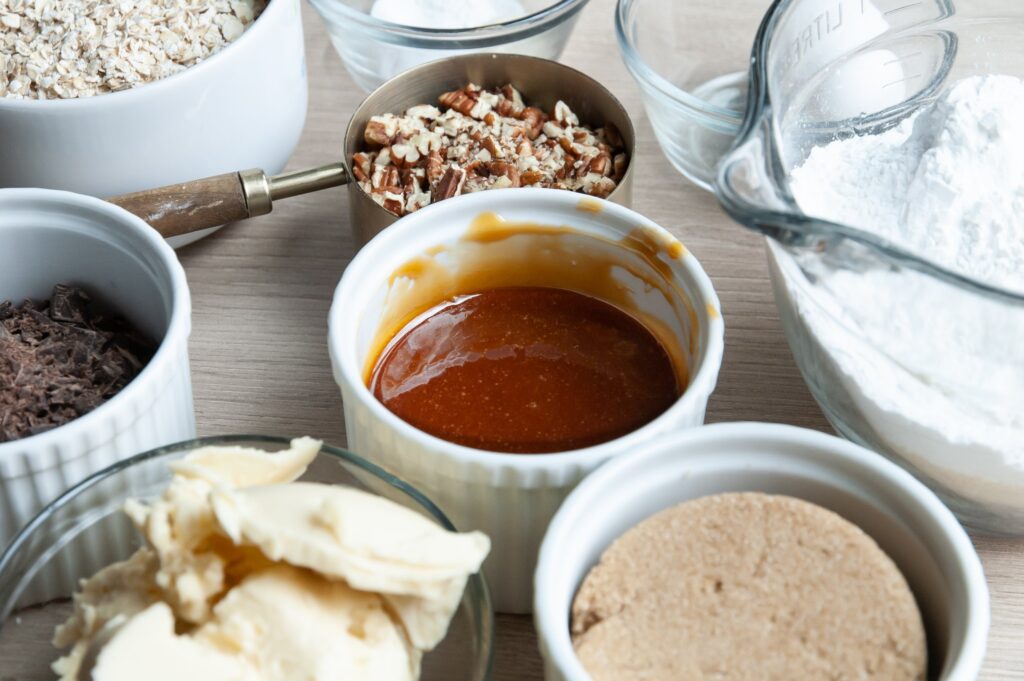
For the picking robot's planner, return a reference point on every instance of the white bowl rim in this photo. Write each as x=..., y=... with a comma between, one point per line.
x=257, y=27
x=553, y=625
x=701, y=384
x=178, y=326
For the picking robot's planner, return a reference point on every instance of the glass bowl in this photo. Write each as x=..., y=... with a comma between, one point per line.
x=84, y=530
x=374, y=51
x=930, y=372
x=690, y=60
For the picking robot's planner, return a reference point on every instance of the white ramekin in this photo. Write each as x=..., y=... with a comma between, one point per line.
x=243, y=107
x=906, y=519
x=511, y=497
x=49, y=237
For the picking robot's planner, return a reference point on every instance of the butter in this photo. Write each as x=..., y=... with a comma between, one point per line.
x=146, y=647
x=369, y=542
x=249, y=575
x=295, y=624
x=245, y=467
x=182, y=529
x=120, y=590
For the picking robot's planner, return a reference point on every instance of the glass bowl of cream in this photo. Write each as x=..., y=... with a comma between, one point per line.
x=378, y=39
x=255, y=591
x=881, y=157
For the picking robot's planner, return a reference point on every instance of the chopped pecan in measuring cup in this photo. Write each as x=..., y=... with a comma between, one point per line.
x=484, y=139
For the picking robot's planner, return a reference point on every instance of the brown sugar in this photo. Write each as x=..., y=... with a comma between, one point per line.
x=747, y=586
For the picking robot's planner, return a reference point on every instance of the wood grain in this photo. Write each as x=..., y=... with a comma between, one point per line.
x=189, y=207
x=261, y=290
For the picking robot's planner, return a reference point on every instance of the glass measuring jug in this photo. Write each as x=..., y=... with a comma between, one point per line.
x=930, y=373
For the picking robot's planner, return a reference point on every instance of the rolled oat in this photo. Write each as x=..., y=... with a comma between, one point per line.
x=64, y=49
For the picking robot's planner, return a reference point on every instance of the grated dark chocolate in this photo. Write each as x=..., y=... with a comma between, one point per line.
x=61, y=358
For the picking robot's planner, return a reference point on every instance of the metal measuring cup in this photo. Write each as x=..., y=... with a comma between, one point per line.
x=209, y=202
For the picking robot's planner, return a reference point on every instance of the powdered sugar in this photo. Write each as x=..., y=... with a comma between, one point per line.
x=947, y=184
x=394, y=58
x=935, y=372
x=446, y=13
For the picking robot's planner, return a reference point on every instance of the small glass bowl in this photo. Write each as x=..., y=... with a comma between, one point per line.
x=374, y=51
x=690, y=60
x=84, y=530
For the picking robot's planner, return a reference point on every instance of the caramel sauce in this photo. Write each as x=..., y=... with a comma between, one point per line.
x=633, y=275
x=526, y=370
x=589, y=205
x=494, y=253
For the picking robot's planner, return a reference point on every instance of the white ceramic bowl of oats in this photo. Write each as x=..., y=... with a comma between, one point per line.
x=177, y=96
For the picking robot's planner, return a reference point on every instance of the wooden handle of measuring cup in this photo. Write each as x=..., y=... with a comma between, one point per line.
x=200, y=204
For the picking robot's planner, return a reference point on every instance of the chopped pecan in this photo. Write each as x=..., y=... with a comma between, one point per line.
x=390, y=198
x=598, y=185
x=450, y=184
x=564, y=115
x=380, y=131
x=435, y=167
x=531, y=177
x=491, y=145
x=566, y=169
x=361, y=167
x=534, y=120
x=504, y=169
x=462, y=100
x=389, y=177
x=427, y=112
x=600, y=164
x=410, y=185
x=483, y=139
x=619, y=166
x=506, y=109
x=552, y=129
x=403, y=155
x=612, y=134
x=409, y=179
x=512, y=102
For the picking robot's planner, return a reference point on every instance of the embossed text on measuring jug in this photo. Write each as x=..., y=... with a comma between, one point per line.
x=821, y=26
x=816, y=24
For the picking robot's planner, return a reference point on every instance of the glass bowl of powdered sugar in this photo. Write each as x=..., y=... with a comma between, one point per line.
x=378, y=39
x=887, y=168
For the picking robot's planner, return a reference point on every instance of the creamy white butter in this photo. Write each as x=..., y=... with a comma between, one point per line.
x=249, y=575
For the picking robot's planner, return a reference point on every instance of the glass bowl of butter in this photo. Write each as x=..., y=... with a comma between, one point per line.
x=249, y=558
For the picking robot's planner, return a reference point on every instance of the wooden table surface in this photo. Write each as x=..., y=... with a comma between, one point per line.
x=261, y=291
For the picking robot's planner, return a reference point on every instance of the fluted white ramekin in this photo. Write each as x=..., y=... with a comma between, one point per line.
x=49, y=237
x=512, y=497
x=903, y=516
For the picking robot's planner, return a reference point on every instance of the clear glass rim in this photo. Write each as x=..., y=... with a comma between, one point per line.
x=476, y=586
x=440, y=38
x=790, y=227
x=725, y=120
